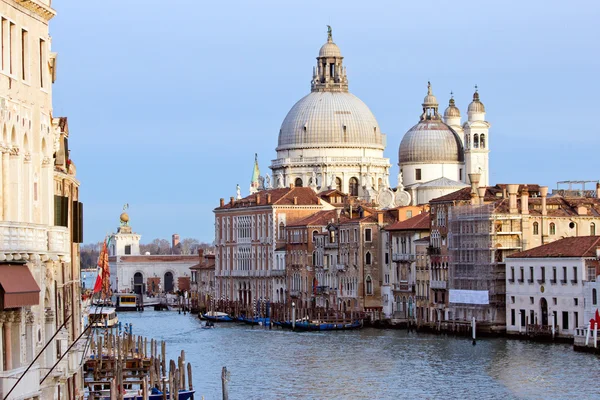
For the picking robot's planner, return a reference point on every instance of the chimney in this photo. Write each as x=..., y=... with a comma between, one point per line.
x=268, y=198
x=291, y=185
x=338, y=211
x=175, y=240
x=257, y=199
x=201, y=254
x=525, y=200
x=231, y=200
x=474, y=198
x=504, y=192
x=474, y=179
x=221, y=202
x=544, y=193
x=295, y=200
x=481, y=191
x=598, y=252
x=512, y=198
x=380, y=218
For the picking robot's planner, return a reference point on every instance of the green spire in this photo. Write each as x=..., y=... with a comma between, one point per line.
x=255, y=174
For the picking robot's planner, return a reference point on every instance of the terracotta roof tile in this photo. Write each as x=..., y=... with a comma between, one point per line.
x=283, y=196
x=582, y=246
x=419, y=222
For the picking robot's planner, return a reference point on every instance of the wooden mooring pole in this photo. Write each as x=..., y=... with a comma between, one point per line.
x=224, y=382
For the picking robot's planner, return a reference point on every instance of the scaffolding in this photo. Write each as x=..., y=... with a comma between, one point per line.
x=477, y=240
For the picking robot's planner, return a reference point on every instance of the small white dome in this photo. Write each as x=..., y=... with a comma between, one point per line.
x=452, y=111
x=430, y=141
x=476, y=106
x=330, y=49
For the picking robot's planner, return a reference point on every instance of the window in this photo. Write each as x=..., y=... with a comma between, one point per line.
x=387, y=258
x=281, y=231
x=591, y=275
x=553, y=281
x=531, y=317
x=522, y=313
x=574, y=280
x=512, y=275
x=576, y=319
x=353, y=187
x=482, y=141
x=298, y=182
x=512, y=299
x=42, y=62
x=564, y=279
x=338, y=184
x=369, y=286
x=4, y=28
x=24, y=55
x=522, y=278
x=475, y=141
x=576, y=301
x=592, y=229
x=512, y=317
x=536, y=228
x=128, y=249
x=409, y=214
x=12, y=48
x=543, y=277
x=594, y=297
x=460, y=175
x=554, y=301
x=418, y=174
x=531, y=300
x=368, y=258
x=368, y=235
x=314, y=258
x=565, y=320
x=552, y=228
x=530, y=274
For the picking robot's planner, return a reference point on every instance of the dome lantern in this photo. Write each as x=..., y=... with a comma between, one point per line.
x=329, y=75
x=452, y=111
x=430, y=105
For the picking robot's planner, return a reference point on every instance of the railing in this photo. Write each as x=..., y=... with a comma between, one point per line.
x=28, y=387
x=403, y=257
x=438, y=284
x=341, y=267
x=403, y=287
x=322, y=289
x=23, y=237
x=278, y=272
x=294, y=293
x=58, y=239
x=328, y=161
x=329, y=245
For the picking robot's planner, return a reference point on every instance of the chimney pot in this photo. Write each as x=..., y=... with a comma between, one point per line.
x=291, y=185
x=221, y=202
x=380, y=218
x=268, y=198
x=295, y=200
x=257, y=199
x=481, y=193
x=231, y=200
x=512, y=198
x=544, y=193
x=525, y=200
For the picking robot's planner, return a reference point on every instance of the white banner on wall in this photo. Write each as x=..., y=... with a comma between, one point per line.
x=480, y=297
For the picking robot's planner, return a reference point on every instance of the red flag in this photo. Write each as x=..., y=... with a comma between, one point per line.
x=103, y=270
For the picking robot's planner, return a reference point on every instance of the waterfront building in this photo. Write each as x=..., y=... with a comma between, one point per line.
x=40, y=215
x=475, y=229
x=330, y=139
x=423, y=293
x=438, y=153
x=402, y=247
x=132, y=272
x=250, y=241
x=547, y=286
x=203, y=278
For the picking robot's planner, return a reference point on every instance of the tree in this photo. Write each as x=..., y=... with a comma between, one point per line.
x=189, y=246
x=89, y=255
x=157, y=246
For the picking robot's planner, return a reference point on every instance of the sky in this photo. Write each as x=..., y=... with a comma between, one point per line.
x=168, y=101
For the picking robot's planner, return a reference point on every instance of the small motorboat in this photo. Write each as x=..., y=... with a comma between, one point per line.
x=216, y=316
x=208, y=325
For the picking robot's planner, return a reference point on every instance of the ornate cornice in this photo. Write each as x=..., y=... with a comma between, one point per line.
x=37, y=7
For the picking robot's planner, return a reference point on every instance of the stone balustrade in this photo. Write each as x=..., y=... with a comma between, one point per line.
x=28, y=387
x=18, y=240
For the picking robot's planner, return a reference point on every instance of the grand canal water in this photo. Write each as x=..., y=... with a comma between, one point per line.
x=368, y=364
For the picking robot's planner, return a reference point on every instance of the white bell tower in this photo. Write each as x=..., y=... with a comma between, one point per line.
x=477, y=142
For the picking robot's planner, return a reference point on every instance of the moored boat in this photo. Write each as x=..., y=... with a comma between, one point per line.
x=304, y=325
x=126, y=301
x=103, y=317
x=216, y=316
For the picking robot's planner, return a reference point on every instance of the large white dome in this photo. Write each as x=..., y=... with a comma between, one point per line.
x=330, y=119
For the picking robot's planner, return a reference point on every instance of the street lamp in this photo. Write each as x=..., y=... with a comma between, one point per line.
x=293, y=315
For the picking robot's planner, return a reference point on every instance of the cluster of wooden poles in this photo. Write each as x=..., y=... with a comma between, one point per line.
x=119, y=361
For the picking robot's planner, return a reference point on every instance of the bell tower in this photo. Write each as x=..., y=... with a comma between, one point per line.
x=477, y=143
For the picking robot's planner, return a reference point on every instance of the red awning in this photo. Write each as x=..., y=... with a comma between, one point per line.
x=18, y=288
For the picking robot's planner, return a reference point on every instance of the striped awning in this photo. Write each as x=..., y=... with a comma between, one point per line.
x=18, y=288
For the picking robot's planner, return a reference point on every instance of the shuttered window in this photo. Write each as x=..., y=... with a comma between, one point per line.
x=61, y=211
x=77, y=222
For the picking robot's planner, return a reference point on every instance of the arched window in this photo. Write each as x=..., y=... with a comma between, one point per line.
x=592, y=229
x=368, y=258
x=314, y=258
x=482, y=141
x=353, y=187
x=552, y=228
x=314, y=235
x=298, y=182
x=594, y=297
x=281, y=231
x=536, y=228
x=475, y=141
x=338, y=184
x=369, y=285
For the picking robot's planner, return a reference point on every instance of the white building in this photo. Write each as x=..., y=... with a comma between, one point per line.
x=437, y=154
x=131, y=271
x=330, y=139
x=545, y=285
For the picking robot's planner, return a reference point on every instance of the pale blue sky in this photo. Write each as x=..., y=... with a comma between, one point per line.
x=169, y=100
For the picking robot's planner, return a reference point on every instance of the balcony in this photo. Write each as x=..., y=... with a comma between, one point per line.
x=399, y=257
x=294, y=294
x=278, y=272
x=403, y=286
x=58, y=240
x=322, y=290
x=329, y=245
x=341, y=267
x=21, y=237
x=29, y=387
x=438, y=284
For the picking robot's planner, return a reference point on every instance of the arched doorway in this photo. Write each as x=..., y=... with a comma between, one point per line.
x=544, y=306
x=169, y=282
x=138, y=283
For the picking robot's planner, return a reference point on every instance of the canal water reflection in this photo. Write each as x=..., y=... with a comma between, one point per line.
x=367, y=364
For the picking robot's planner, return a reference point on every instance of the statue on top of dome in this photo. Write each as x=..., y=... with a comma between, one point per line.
x=329, y=35
x=400, y=181
x=238, y=192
